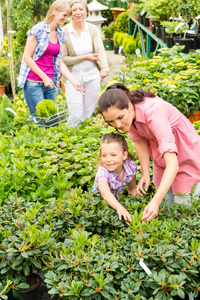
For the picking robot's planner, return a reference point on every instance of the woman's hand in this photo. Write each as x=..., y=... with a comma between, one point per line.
x=78, y=86
x=151, y=210
x=91, y=57
x=104, y=72
x=48, y=82
x=143, y=185
x=122, y=212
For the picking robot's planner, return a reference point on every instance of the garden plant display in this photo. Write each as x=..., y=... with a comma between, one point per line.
x=172, y=75
x=75, y=239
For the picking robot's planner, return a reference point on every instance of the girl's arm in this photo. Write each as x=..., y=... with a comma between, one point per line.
x=142, y=151
x=132, y=187
x=112, y=201
x=28, y=53
x=151, y=210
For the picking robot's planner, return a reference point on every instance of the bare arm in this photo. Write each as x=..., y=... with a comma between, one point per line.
x=151, y=210
x=112, y=201
x=142, y=150
x=28, y=53
x=132, y=187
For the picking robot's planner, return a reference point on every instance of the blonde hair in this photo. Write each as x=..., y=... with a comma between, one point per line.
x=72, y=2
x=58, y=5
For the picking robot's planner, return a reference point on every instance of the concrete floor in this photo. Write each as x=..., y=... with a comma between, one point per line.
x=115, y=62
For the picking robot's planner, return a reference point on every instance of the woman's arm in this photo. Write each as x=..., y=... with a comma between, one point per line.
x=142, y=151
x=112, y=201
x=171, y=161
x=28, y=53
x=65, y=71
x=132, y=187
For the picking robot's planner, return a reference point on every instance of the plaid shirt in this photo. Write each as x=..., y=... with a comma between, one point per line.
x=114, y=180
x=41, y=32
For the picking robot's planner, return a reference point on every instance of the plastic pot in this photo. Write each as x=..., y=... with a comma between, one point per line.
x=32, y=293
x=186, y=42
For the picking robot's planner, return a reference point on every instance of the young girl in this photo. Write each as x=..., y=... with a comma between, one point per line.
x=117, y=170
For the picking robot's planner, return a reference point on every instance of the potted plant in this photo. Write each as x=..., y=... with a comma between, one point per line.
x=158, y=11
x=170, y=27
x=4, y=74
x=116, y=42
x=185, y=10
x=24, y=248
x=46, y=110
x=108, y=32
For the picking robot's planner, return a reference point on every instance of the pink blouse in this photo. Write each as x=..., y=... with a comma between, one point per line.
x=168, y=130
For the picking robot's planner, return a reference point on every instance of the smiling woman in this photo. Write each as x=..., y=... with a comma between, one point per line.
x=41, y=63
x=85, y=56
x=162, y=132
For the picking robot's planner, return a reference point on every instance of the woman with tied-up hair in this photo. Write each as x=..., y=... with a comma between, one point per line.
x=162, y=132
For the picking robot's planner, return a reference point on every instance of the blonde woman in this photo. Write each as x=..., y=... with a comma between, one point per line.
x=41, y=63
x=84, y=55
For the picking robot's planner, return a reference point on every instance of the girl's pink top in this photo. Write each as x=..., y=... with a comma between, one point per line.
x=45, y=62
x=168, y=130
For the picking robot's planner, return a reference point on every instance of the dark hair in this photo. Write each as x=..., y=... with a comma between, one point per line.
x=117, y=95
x=115, y=137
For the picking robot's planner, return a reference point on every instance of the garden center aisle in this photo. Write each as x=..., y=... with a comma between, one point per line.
x=115, y=62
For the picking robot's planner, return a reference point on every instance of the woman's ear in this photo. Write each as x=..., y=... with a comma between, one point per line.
x=125, y=155
x=130, y=105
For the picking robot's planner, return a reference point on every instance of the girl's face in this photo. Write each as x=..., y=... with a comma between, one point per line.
x=79, y=12
x=112, y=157
x=60, y=17
x=120, y=119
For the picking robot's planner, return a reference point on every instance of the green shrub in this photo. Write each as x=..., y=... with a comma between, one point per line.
x=46, y=108
x=115, y=38
x=109, y=30
x=120, y=38
x=4, y=71
x=6, y=116
x=121, y=23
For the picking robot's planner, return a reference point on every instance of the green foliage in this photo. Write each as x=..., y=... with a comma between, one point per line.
x=159, y=10
x=118, y=38
x=46, y=108
x=115, y=38
x=121, y=23
x=109, y=30
x=170, y=26
x=172, y=75
x=4, y=71
x=6, y=117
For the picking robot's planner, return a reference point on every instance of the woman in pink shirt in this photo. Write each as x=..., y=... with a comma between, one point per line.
x=162, y=132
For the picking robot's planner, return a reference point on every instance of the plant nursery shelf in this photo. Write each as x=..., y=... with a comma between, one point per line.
x=116, y=11
x=148, y=36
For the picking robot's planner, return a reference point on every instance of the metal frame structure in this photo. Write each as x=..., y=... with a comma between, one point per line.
x=148, y=35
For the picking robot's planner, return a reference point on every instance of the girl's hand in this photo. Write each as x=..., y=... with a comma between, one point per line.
x=143, y=185
x=122, y=212
x=104, y=72
x=151, y=211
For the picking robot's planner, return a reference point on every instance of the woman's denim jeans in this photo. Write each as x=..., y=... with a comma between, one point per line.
x=35, y=92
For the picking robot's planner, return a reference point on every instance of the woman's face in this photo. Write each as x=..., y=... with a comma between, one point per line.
x=120, y=119
x=60, y=17
x=79, y=12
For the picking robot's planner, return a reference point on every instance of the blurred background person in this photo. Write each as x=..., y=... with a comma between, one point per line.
x=84, y=55
x=41, y=62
